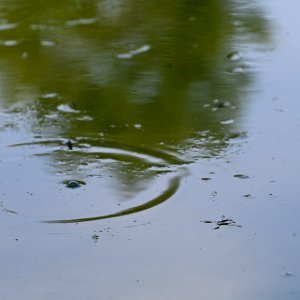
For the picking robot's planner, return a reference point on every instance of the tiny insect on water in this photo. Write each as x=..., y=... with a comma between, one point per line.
x=223, y=222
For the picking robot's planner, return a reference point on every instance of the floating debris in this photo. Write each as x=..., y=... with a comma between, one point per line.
x=135, y=52
x=69, y=144
x=73, y=184
x=7, y=210
x=95, y=237
x=241, y=176
x=223, y=222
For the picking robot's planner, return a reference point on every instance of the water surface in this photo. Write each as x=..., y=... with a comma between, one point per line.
x=133, y=135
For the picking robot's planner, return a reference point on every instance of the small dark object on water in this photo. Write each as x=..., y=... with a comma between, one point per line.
x=69, y=144
x=241, y=176
x=205, y=178
x=95, y=237
x=220, y=105
x=223, y=222
x=73, y=184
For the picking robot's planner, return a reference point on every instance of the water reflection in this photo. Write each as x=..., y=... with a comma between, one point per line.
x=135, y=86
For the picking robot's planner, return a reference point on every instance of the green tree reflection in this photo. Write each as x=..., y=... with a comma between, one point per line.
x=161, y=96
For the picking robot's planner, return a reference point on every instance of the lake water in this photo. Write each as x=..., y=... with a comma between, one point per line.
x=149, y=150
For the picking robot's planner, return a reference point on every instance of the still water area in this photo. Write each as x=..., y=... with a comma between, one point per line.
x=149, y=150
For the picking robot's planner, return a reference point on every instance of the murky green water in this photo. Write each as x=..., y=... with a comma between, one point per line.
x=149, y=150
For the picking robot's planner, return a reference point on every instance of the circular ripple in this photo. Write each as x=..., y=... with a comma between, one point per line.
x=129, y=177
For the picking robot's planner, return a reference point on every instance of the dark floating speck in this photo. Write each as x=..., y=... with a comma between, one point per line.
x=95, y=237
x=205, y=178
x=73, y=184
x=241, y=176
x=69, y=144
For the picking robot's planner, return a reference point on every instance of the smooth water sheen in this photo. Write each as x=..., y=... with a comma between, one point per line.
x=149, y=150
